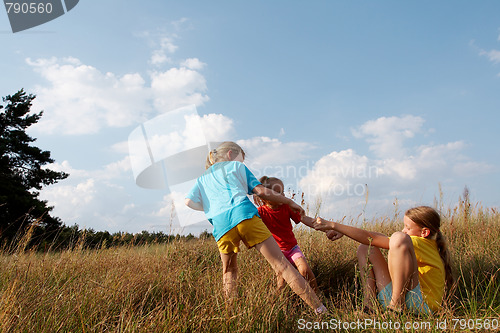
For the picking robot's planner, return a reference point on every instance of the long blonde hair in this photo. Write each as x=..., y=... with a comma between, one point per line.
x=428, y=217
x=220, y=154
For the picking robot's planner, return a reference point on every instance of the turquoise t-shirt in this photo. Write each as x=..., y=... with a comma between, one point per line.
x=222, y=190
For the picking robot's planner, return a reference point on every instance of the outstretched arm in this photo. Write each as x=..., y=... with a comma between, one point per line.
x=331, y=234
x=360, y=235
x=309, y=221
x=268, y=194
x=193, y=205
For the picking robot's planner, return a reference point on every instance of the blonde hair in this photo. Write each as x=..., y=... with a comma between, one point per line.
x=428, y=217
x=220, y=154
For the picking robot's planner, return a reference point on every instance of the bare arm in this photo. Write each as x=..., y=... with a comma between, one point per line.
x=194, y=205
x=309, y=221
x=268, y=194
x=334, y=235
x=360, y=235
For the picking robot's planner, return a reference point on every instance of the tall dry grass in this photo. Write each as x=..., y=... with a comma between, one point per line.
x=177, y=287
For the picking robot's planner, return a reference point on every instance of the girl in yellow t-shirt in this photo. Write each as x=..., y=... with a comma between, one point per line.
x=417, y=266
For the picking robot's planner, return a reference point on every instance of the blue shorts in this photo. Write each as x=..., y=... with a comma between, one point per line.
x=413, y=299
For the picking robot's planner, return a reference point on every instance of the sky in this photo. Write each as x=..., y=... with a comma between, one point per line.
x=363, y=106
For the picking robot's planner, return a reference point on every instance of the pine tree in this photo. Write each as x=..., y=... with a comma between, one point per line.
x=22, y=175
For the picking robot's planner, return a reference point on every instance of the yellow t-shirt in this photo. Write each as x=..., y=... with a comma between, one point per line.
x=431, y=274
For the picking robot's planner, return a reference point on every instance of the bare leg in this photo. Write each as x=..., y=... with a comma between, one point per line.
x=271, y=251
x=306, y=272
x=403, y=267
x=280, y=282
x=374, y=273
x=229, y=275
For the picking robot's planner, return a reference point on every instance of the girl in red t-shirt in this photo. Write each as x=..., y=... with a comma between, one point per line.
x=276, y=217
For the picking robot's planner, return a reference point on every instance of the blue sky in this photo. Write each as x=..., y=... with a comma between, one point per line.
x=328, y=95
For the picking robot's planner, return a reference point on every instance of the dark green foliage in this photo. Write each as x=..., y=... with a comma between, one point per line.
x=22, y=175
x=72, y=237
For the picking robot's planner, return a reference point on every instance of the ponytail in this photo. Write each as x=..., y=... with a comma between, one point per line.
x=445, y=257
x=220, y=154
x=211, y=158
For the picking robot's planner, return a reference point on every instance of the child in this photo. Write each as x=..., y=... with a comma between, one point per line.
x=221, y=192
x=276, y=217
x=417, y=265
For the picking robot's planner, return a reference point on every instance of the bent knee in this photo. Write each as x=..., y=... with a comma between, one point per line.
x=400, y=240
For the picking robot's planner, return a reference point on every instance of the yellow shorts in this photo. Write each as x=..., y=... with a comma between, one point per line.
x=251, y=231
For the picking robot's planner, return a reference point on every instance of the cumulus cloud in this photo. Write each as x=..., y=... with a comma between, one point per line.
x=217, y=127
x=193, y=63
x=97, y=199
x=80, y=99
x=160, y=55
x=334, y=174
x=386, y=135
x=177, y=87
x=70, y=201
x=395, y=169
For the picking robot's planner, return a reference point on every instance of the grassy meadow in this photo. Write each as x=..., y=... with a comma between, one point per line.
x=177, y=287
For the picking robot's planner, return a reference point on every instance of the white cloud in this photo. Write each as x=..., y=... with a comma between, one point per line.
x=264, y=151
x=217, y=127
x=334, y=174
x=117, y=169
x=159, y=56
x=493, y=55
x=65, y=166
x=395, y=170
x=70, y=201
x=193, y=63
x=387, y=134
x=80, y=99
x=167, y=44
x=177, y=87
x=98, y=199
x=120, y=147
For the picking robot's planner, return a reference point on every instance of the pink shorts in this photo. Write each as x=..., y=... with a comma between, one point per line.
x=293, y=254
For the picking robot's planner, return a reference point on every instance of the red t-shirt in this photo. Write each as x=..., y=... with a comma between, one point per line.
x=278, y=223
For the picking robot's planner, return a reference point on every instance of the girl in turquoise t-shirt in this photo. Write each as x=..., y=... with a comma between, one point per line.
x=221, y=192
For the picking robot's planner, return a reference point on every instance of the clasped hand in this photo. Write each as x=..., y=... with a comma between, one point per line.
x=327, y=227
